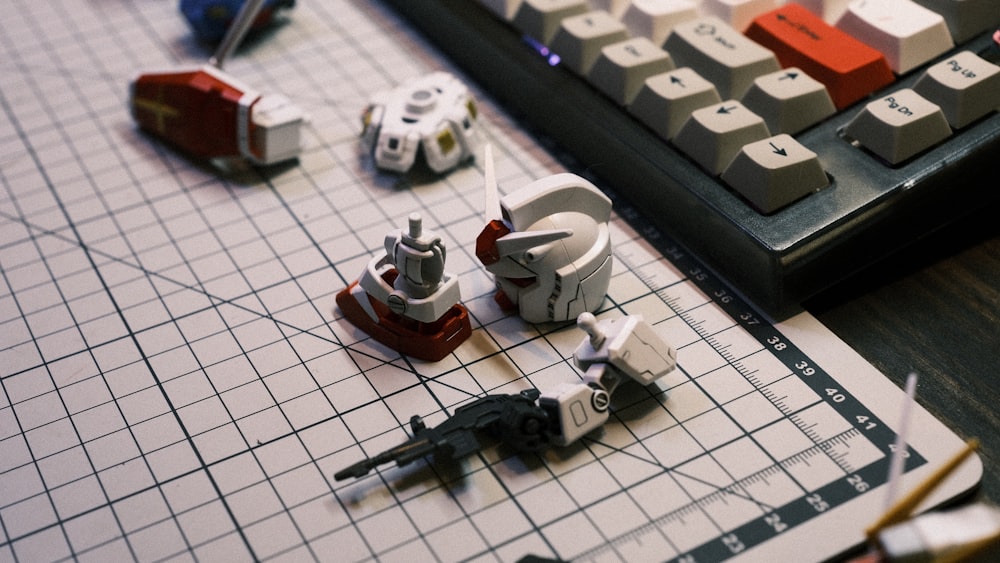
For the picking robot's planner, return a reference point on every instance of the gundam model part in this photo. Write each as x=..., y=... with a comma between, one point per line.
x=499, y=415
x=968, y=533
x=614, y=351
x=210, y=19
x=550, y=249
x=405, y=300
x=208, y=114
x=434, y=115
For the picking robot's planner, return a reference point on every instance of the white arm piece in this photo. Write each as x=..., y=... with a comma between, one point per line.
x=616, y=349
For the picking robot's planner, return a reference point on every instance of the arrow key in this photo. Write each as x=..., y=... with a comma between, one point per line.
x=666, y=100
x=774, y=172
x=789, y=100
x=714, y=134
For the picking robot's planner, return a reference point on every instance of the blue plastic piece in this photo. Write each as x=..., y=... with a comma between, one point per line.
x=211, y=18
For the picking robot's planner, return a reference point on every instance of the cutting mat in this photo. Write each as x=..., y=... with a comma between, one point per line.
x=177, y=382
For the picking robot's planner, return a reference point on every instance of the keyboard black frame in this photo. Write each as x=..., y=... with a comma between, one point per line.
x=870, y=210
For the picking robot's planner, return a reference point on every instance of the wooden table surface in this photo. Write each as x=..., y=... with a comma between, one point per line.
x=935, y=309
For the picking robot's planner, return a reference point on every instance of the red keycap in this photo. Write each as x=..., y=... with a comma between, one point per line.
x=848, y=68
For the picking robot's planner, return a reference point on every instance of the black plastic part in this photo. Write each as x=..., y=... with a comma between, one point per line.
x=459, y=435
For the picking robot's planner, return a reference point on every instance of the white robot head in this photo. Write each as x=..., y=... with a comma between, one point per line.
x=551, y=252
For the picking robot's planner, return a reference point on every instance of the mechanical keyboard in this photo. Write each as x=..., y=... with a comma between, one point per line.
x=787, y=145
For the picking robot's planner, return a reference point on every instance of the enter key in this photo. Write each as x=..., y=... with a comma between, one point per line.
x=848, y=68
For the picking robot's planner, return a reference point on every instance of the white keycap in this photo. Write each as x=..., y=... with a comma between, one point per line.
x=540, y=19
x=899, y=126
x=614, y=7
x=829, y=10
x=715, y=134
x=905, y=32
x=656, y=18
x=719, y=53
x=737, y=13
x=966, y=18
x=580, y=39
x=789, y=100
x=667, y=100
x=505, y=9
x=964, y=85
x=622, y=68
x=774, y=172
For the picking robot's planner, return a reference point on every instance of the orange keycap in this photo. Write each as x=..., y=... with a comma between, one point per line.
x=848, y=68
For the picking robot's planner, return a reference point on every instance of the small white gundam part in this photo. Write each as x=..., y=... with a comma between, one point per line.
x=615, y=350
x=433, y=114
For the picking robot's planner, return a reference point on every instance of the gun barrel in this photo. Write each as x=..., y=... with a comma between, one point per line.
x=456, y=437
x=403, y=454
x=359, y=469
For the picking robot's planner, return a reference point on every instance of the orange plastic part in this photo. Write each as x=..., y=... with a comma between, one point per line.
x=424, y=341
x=848, y=68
